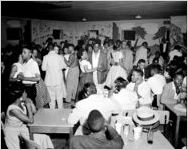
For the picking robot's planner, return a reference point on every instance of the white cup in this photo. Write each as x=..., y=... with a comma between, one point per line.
x=137, y=132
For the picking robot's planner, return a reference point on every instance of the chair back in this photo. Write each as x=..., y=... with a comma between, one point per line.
x=2, y=122
x=163, y=116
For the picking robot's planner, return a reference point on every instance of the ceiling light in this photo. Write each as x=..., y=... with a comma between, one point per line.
x=138, y=17
x=84, y=19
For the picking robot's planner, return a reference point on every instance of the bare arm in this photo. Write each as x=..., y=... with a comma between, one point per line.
x=70, y=61
x=12, y=73
x=27, y=119
x=89, y=70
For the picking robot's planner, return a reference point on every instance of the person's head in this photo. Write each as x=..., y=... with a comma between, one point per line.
x=177, y=47
x=120, y=83
x=71, y=48
x=96, y=47
x=137, y=75
x=66, y=50
x=118, y=43
x=141, y=64
x=129, y=44
x=155, y=69
x=89, y=48
x=110, y=43
x=96, y=121
x=35, y=52
x=26, y=53
x=145, y=44
x=50, y=47
x=17, y=92
x=105, y=44
x=178, y=79
x=56, y=49
x=157, y=54
x=89, y=89
x=124, y=44
x=82, y=54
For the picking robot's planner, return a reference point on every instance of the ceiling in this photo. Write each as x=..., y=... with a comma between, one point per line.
x=93, y=10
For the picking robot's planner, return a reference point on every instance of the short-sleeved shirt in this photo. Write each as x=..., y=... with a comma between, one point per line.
x=85, y=63
x=30, y=69
x=144, y=91
x=157, y=83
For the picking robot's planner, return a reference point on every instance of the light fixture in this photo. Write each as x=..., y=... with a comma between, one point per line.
x=138, y=17
x=84, y=19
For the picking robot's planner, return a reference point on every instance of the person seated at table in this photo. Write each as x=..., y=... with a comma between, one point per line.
x=18, y=115
x=156, y=82
x=126, y=99
x=171, y=91
x=94, y=101
x=140, y=87
x=96, y=138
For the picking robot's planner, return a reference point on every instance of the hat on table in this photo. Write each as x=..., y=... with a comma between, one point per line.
x=145, y=116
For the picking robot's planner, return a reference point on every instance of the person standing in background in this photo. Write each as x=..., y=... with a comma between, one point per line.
x=73, y=74
x=53, y=65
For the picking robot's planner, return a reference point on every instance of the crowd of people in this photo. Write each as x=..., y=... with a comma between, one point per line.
x=73, y=76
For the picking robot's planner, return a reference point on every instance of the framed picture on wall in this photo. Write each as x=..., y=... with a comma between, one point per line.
x=93, y=33
x=129, y=35
x=14, y=33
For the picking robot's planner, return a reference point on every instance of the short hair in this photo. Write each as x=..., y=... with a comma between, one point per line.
x=27, y=47
x=178, y=74
x=120, y=83
x=90, y=86
x=141, y=61
x=50, y=46
x=71, y=45
x=156, y=68
x=144, y=43
x=139, y=71
x=95, y=121
x=16, y=91
x=80, y=53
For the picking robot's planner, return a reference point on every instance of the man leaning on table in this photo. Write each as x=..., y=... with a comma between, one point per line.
x=173, y=91
x=94, y=101
x=96, y=137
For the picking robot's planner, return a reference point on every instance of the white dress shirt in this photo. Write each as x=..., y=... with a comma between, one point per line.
x=144, y=91
x=53, y=65
x=141, y=53
x=157, y=83
x=30, y=69
x=105, y=105
x=126, y=99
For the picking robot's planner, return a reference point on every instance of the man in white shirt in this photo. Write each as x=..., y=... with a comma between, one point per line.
x=141, y=53
x=156, y=82
x=94, y=101
x=140, y=87
x=31, y=73
x=175, y=52
x=53, y=65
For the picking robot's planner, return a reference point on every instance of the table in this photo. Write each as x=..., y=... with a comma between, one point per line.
x=51, y=121
x=179, y=115
x=159, y=142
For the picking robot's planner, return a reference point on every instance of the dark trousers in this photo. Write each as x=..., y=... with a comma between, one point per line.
x=30, y=89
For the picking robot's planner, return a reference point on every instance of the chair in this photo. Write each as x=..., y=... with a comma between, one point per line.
x=28, y=144
x=163, y=119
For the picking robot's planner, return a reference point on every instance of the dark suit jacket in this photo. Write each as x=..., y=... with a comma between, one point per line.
x=97, y=141
x=102, y=66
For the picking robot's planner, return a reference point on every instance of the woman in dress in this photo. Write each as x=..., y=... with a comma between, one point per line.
x=18, y=115
x=86, y=75
x=116, y=70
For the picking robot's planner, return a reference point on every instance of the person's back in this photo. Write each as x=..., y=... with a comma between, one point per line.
x=53, y=63
x=100, y=134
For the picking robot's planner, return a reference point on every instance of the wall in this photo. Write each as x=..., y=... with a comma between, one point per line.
x=7, y=22
x=180, y=21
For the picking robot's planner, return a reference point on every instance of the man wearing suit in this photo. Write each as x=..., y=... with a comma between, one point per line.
x=96, y=136
x=164, y=48
x=53, y=65
x=98, y=59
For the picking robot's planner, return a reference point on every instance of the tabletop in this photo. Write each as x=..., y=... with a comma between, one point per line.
x=159, y=142
x=178, y=113
x=51, y=118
